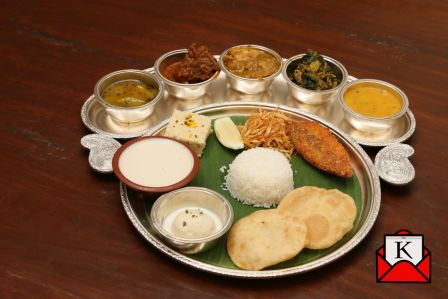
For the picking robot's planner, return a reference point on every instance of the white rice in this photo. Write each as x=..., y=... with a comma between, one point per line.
x=260, y=177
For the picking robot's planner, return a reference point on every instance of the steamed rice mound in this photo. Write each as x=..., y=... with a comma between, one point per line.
x=260, y=177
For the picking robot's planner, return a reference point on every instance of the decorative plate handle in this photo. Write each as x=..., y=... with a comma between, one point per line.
x=102, y=149
x=393, y=164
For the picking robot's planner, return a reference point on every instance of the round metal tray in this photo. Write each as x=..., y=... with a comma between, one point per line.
x=361, y=163
x=96, y=119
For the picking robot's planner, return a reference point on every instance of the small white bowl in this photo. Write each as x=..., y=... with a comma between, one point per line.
x=188, y=197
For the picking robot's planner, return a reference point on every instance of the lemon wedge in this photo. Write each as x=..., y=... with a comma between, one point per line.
x=228, y=134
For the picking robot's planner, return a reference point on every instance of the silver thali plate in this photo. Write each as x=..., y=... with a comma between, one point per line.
x=96, y=119
x=363, y=167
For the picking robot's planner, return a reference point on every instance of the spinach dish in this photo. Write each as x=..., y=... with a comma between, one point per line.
x=312, y=72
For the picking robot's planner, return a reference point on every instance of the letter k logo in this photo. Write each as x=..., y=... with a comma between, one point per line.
x=402, y=249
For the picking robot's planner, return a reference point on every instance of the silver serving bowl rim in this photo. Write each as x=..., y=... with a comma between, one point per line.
x=153, y=102
x=326, y=58
x=347, y=109
x=218, y=234
x=172, y=53
x=270, y=51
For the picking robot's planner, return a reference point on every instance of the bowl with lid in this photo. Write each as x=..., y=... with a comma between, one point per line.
x=155, y=164
x=250, y=69
x=308, y=93
x=187, y=73
x=372, y=105
x=129, y=96
x=191, y=219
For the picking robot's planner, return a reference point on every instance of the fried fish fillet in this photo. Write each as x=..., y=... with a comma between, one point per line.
x=320, y=148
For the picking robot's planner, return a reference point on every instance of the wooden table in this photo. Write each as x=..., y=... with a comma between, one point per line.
x=63, y=231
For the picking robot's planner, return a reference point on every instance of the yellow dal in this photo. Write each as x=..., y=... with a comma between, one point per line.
x=129, y=93
x=373, y=100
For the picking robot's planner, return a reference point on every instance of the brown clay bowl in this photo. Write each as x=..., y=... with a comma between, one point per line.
x=120, y=173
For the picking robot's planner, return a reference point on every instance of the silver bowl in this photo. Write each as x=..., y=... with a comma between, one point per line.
x=314, y=97
x=186, y=91
x=372, y=124
x=247, y=85
x=128, y=114
x=191, y=197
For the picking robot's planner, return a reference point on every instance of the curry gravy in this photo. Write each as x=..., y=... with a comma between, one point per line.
x=373, y=100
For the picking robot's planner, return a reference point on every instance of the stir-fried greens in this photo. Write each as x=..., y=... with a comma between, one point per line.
x=314, y=73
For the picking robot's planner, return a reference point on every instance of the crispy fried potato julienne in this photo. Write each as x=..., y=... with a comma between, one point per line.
x=268, y=129
x=321, y=148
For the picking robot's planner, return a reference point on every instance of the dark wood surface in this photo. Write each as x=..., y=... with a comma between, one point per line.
x=63, y=231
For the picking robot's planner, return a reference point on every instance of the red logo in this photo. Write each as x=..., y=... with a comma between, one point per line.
x=403, y=259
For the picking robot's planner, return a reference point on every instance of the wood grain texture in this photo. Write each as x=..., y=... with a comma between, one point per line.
x=63, y=231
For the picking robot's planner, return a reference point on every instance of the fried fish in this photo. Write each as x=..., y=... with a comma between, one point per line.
x=320, y=148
